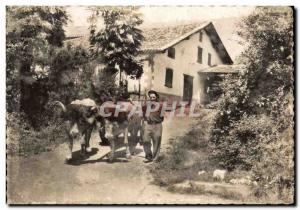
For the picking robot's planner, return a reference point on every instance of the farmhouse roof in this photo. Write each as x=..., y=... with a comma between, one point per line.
x=159, y=39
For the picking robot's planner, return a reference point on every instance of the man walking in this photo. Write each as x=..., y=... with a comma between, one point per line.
x=152, y=128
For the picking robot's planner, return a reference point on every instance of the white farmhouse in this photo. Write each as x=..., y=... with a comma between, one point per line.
x=179, y=61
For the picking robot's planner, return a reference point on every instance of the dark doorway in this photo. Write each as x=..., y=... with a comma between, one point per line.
x=187, y=88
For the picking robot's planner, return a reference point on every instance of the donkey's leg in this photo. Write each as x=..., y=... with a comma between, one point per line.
x=126, y=143
x=132, y=140
x=82, y=143
x=69, y=156
x=87, y=139
x=112, y=149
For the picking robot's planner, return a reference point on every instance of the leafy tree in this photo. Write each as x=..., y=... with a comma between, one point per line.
x=32, y=33
x=118, y=43
x=71, y=74
x=254, y=124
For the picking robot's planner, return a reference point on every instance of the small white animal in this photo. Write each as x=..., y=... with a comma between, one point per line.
x=244, y=181
x=219, y=174
x=201, y=172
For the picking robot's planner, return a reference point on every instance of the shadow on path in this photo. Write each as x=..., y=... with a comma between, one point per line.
x=80, y=159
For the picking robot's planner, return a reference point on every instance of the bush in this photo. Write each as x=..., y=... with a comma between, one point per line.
x=24, y=140
x=254, y=125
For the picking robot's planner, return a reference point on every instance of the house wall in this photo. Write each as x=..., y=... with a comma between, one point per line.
x=185, y=62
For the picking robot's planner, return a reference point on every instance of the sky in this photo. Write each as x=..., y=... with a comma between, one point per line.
x=171, y=14
x=191, y=13
x=223, y=17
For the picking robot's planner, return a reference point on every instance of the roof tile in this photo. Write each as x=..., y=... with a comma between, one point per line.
x=155, y=38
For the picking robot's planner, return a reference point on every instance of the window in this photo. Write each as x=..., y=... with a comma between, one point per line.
x=200, y=36
x=199, y=60
x=169, y=78
x=171, y=52
x=209, y=59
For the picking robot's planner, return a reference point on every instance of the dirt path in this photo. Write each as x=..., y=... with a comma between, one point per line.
x=45, y=178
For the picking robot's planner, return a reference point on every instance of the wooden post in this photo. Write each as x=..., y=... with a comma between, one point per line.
x=139, y=89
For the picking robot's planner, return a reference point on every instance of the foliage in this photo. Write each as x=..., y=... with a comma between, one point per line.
x=40, y=67
x=104, y=85
x=31, y=34
x=70, y=75
x=256, y=111
x=118, y=43
x=24, y=140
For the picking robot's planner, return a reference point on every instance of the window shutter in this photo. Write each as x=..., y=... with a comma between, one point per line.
x=199, y=55
x=171, y=52
x=169, y=78
x=200, y=36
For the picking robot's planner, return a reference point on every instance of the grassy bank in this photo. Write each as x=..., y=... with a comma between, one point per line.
x=23, y=140
x=177, y=169
x=187, y=155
